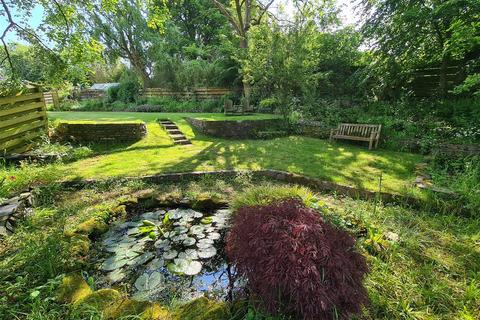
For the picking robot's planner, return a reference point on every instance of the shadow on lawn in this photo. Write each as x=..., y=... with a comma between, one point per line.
x=306, y=156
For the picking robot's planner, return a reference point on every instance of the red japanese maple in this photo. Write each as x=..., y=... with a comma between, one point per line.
x=295, y=262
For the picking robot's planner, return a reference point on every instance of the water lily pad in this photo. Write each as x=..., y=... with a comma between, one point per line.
x=142, y=259
x=206, y=253
x=114, y=263
x=189, y=241
x=185, y=266
x=197, y=229
x=206, y=220
x=148, y=282
x=214, y=236
x=200, y=236
x=191, y=254
x=116, y=276
x=180, y=237
x=174, y=214
x=169, y=255
x=204, y=245
x=197, y=215
x=133, y=231
x=181, y=229
x=206, y=241
x=161, y=244
x=155, y=264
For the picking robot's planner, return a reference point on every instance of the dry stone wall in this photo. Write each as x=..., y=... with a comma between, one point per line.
x=232, y=129
x=101, y=132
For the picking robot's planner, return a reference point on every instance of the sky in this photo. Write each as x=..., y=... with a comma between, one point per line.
x=348, y=16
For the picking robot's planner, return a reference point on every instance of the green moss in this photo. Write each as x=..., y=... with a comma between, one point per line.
x=79, y=245
x=169, y=199
x=94, y=226
x=100, y=299
x=202, y=309
x=267, y=193
x=128, y=202
x=73, y=289
x=205, y=201
x=118, y=211
x=127, y=307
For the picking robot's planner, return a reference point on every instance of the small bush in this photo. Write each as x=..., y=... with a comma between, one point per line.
x=296, y=263
x=267, y=193
x=268, y=105
x=129, y=88
x=93, y=105
x=112, y=94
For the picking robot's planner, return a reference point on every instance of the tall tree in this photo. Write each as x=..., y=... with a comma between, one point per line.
x=242, y=15
x=60, y=39
x=414, y=32
x=126, y=32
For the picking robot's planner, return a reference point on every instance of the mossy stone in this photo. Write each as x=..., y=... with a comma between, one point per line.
x=168, y=200
x=92, y=227
x=73, y=289
x=146, y=198
x=128, y=202
x=202, y=309
x=79, y=245
x=144, y=309
x=100, y=299
x=205, y=201
x=118, y=211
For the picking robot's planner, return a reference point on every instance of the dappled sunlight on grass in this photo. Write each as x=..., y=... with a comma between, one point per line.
x=344, y=164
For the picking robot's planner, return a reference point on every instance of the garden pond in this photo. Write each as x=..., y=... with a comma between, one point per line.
x=167, y=254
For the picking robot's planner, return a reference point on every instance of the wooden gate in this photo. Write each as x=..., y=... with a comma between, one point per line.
x=23, y=119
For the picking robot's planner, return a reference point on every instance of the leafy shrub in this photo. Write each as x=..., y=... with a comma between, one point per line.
x=112, y=94
x=268, y=105
x=68, y=105
x=268, y=193
x=93, y=105
x=297, y=263
x=461, y=174
x=129, y=88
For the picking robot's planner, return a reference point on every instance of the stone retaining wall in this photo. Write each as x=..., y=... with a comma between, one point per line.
x=314, y=129
x=463, y=149
x=233, y=129
x=101, y=132
x=315, y=184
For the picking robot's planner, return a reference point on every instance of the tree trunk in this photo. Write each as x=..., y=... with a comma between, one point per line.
x=443, y=76
x=247, y=88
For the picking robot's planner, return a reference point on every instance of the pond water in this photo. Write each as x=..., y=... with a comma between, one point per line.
x=165, y=254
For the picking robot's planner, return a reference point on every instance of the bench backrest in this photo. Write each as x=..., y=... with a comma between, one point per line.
x=228, y=106
x=358, y=130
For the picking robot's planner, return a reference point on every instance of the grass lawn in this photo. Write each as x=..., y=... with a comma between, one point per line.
x=432, y=271
x=341, y=163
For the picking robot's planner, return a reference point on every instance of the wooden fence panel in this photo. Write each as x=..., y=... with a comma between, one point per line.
x=23, y=119
x=51, y=98
x=197, y=93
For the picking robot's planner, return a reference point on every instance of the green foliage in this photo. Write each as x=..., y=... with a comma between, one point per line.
x=129, y=88
x=460, y=174
x=411, y=34
x=268, y=193
x=112, y=94
x=408, y=125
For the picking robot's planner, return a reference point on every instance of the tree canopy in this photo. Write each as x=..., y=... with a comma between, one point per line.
x=301, y=51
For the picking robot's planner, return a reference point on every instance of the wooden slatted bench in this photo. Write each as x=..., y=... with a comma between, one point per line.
x=231, y=109
x=358, y=132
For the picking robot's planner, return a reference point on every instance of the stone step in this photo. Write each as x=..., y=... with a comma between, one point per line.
x=170, y=126
x=174, y=131
x=178, y=137
x=182, y=142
